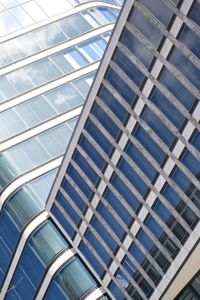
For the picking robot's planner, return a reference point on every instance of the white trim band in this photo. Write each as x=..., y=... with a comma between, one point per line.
x=95, y=294
x=50, y=20
x=51, y=85
x=28, y=177
x=61, y=260
x=26, y=234
x=40, y=128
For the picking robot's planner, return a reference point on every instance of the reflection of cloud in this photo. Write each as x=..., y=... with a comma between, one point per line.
x=45, y=37
x=17, y=76
x=123, y=282
x=4, y=57
x=62, y=98
x=7, y=23
x=28, y=43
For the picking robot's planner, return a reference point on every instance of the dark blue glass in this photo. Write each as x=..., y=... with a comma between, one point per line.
x=183, y=64
x=196, y=140
x=195, y=14
x=116, y=291
x=177, y=88
x=160, y=129
x=162, y=211
x=104, y=234
x=191, y=40
x=79, y=181
x=113, y=104
x=106, y=121
x=191, y=163
x=179, y=205
x=125, y=193
x=63, y=221
x=145, y=240
x=137, y=254
x=134, y=178
x=68, y=208
x=86, y=168
x=146, y=288
x=128, y=67
x=154, y=251
x=120, y=86
x=103, y=142
x=142, y=260
x=169, y=220
x=159, y=10
x=160, y=234
x=97, y=246
x=138, y=20
x=141, y=161
x=154, y=227
x=73, y=195
x=111, y=221
x=137, y=48
x=118, y=207
x=92, y=259
x=154, y=149
x=168, y=109
x=9, y=235
x=182, y=181
x=92, y=153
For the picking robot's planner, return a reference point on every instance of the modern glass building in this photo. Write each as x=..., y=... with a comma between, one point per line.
x=49, y=53
x=127, y=195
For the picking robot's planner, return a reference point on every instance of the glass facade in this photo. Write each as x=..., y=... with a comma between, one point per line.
x=49, y=55
x=128, y=188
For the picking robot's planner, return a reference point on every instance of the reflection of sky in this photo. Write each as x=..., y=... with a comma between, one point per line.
x=14, y=16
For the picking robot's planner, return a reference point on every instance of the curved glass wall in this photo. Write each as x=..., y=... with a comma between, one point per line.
x=44, y=107
x=41, y=249
x=73, y=282
x=52, y=67
x=46, y=243
x=55, y=33
x=19, y=209
x=35, y=151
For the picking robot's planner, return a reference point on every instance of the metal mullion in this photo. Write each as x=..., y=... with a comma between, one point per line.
x=141, y=148
x=152, y=236
x=193, y=26
x=112, y=211
x=172, y=99
x=182, y=47
x=160, y=57
x=62, y=210
x=140, y=172
x=158, y=141
x=126, y=205
x=116, y=193
x=155, y=110
x=114, y=236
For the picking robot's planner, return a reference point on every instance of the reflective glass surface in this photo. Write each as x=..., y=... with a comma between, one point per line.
x=44, y=245
x=73, y=282
x=52, y=34
x=34, y=151
x=44, y=107
x=156, y=8
x=138, y=20
x=19, y=209
x=50, y=68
